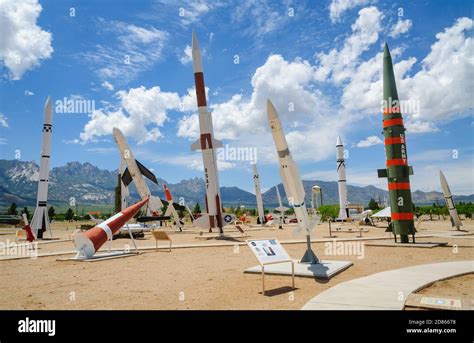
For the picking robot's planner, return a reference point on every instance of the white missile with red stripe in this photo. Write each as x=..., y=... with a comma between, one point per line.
x=135, y=172
x=291, y=180
x=207, y=144
x=89, y=242
x=40, y=221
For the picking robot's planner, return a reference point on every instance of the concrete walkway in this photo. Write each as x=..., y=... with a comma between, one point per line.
x=386, y=290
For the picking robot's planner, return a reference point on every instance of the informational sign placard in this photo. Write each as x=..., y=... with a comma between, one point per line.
x=268, y=250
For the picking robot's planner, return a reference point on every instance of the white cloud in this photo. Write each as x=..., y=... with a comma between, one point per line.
x=131, y=50
x=29, y=93
x=368, y=142
x=447, y=66
x=140, y=115
x=338, y=65
x=419, y=126
x=290, y=86
x=3, y=120
x=401, y=27
x=187, y=56
x=259, y=17
x=24, y=44
x=107, y=85
x=338, y=7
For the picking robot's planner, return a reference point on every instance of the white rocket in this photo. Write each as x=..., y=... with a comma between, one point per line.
x=282, y=209
x=291, y=180
x=449, y=201
x=135, y=172
x=207, y=144
x=258, y=194
x=341, y=180
x=40, y=221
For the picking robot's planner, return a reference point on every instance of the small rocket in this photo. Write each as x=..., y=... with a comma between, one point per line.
x=282, y=209
x=449, y=201
x=207, y=144
x=258, y=194
x=40, y=221
x=341, y=180
x=397, y=172
x=135, y=172
x=291, y=180
x=171, y=210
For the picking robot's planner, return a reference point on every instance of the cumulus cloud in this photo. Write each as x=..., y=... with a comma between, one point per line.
x=368, y=142
x=187, y=56
x=338, y=7
x=24, y=44
x=448, y=65
x=3, y=120
x=338, y=65
x=107, y=85
x=401, y=27
x=29, y=93
x=140, y=114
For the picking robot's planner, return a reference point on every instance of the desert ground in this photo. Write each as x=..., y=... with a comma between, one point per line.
x=204, y=273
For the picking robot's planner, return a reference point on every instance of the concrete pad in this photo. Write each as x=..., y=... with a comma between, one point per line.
x=100, y=256
x=349, y=230
x=406, y=245
x=324, y=270
x=386, y=290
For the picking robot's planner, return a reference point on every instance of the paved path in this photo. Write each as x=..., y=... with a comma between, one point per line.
x=386, y=290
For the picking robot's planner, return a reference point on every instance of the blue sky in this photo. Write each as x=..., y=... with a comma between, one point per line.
x=320, y=58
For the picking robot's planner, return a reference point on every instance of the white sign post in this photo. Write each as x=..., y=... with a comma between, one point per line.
x=270, y=251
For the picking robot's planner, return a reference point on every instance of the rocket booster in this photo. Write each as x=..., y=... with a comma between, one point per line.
x=40, y=221
x=207, y=144
x=397, y=172
x=291, y=179
x=258, y=194
x=341, y=180
x=135, y=171
x=171, y=210
x=449, y=201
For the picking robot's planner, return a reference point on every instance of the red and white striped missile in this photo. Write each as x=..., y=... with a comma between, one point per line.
x=29, y=234
x=207, y=144
x=90, y=241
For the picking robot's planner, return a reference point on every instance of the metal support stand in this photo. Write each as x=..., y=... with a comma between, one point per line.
x=309, y=256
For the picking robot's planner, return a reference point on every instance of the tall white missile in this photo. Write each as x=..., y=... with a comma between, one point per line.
x=207, y=144
x=291, y=180
x=341, y=180
x=40, y=221
x=449, y=201
x=135, y=172
x=258, y=194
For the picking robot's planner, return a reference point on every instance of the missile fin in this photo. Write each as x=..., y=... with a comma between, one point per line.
x=196, y=145
x=410, y=170
x=382, y=172
x=216, y=143
x=146, y=172
x=169, y=209
x=126, y=177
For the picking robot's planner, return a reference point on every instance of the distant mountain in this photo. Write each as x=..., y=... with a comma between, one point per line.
x=88, y=184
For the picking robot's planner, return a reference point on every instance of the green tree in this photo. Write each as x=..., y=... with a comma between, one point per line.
x=13, y=209
x=69, y=214
x=197, y=209
x=51, y=212
x=373, y=205
x=328, y=212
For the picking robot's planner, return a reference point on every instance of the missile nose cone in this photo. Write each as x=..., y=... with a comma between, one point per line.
x=117, y=133
x=339, y=141
x=271, y=111
x=48, y=102
x=194, y=43
x=386, y=51
x=441, y=176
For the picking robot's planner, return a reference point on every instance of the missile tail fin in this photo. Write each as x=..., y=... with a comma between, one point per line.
x=382, y=173
x=147, y=172
x=126, y=177
x=196, y=145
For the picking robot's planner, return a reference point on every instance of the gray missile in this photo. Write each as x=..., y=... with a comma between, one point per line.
x=449, y=201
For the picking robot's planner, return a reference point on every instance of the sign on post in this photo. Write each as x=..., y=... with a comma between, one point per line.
x=270, y=251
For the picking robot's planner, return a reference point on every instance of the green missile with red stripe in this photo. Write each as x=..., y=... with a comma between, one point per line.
x=397, y=172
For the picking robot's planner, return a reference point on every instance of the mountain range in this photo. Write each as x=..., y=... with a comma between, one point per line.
x=88, y=184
